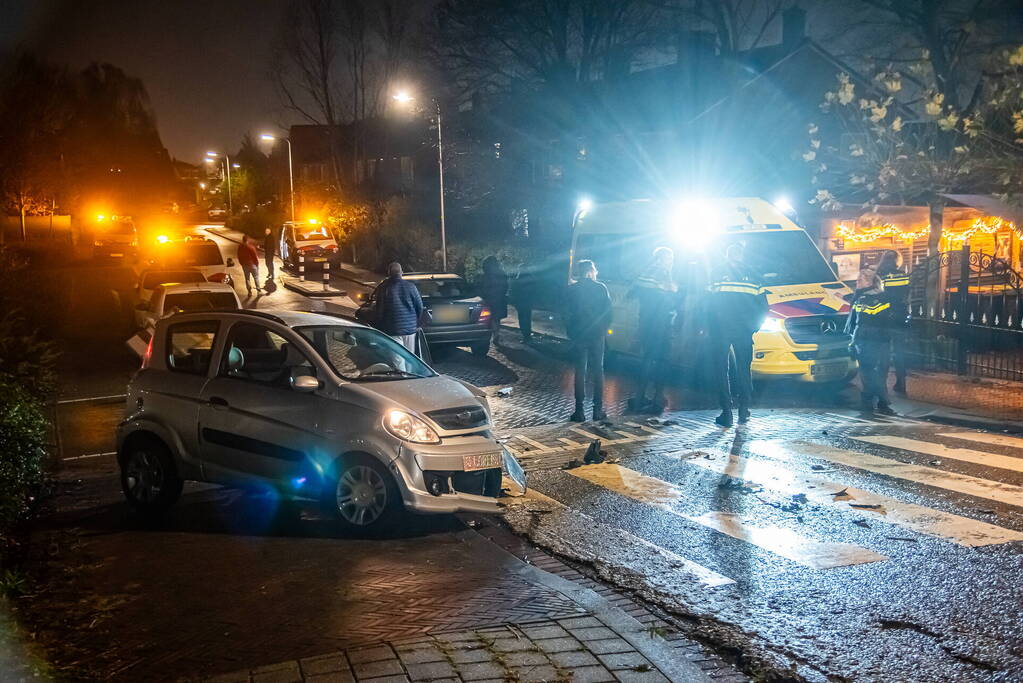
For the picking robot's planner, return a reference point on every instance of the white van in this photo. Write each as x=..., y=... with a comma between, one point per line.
x=803, y=336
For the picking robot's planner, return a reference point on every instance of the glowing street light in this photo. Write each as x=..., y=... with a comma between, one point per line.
x=291, y=177
x=212, y=156
x=404, y=98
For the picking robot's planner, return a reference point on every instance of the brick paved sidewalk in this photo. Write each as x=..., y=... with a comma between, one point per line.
x=578, y=649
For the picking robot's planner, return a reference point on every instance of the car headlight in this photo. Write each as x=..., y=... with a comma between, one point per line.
x=409, y=428
x=772, y=325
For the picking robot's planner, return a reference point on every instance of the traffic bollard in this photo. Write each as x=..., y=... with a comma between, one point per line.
x=326, y=275
x=301, y=267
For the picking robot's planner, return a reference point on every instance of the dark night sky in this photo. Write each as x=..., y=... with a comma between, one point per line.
x=204, y=62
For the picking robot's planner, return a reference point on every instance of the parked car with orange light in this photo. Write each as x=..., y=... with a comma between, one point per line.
x=312, y=240
x=195, y=253
x=114, y=238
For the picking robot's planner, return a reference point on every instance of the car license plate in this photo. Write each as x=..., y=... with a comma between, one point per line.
x=514, y=471
x=482, y=461
x=450, y=314
x=827, y=369
x=319, y=260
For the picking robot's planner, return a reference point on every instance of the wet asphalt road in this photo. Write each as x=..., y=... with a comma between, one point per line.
x=912, y=572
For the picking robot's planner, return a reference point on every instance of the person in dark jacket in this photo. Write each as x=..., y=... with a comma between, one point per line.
x=269, y=251
x=525, y=290
x=398, y=307
x=870, y=322
x=737, y=308
x=658, y=300
x=587, y=321
x=896, y=291
x=248, y=259
x=494, y=292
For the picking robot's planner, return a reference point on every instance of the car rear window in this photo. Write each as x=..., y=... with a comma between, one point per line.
x=314, y=235
x=449, y=288
x=151, y=280
x=194, y=255
x=121, y=228
x=187, y=302
x=189, y=346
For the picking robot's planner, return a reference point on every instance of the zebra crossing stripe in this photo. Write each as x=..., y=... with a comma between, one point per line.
x=1005, y=462
x=850, y=418
x=707, y=577
x=645, y=428
x=569, y=442
x=950, y=481
x=778, y=540
x=588, y=435
x=986, y=438
x=820, y=491
x=535, y=444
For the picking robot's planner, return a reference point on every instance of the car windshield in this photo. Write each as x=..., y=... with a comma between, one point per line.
x=187, y=302
x=786, y=257
x=446, y=288
x=311, y=235
x=160, y=277
x=194, y=254
x=363, y=354
x=121, y=228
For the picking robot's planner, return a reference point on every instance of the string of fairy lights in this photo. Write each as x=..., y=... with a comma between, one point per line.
x=986, y=225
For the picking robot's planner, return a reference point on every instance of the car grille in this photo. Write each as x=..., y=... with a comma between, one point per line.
x=817, y=329
x=482, y=483
x=465, y=417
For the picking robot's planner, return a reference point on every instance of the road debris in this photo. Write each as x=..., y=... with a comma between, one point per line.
x=842, y=495
x=504, y=392
x=593, y=454
x=862, y=523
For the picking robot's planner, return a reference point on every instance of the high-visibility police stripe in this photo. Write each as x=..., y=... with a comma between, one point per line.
x=736, y=287
x=870, y=310
x=896, y=281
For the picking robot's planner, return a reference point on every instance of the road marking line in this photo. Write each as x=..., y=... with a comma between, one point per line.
x=628, y=436
x=588, y=435
x=91, y=398
x=707, y=577
x=569, y=442
x=784, y=542
x=90, y=455
x=984, y=437
x=925, y=520
x=850, y=417
x=645, y=428
x=1005, y=462
x=535, y=444
x=950, y=481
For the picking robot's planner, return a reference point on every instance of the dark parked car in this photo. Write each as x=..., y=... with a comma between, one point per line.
x=459, y=317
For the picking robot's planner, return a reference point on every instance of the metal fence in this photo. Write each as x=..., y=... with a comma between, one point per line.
x=966, y=311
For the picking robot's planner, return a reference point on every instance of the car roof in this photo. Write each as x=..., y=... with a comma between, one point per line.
x=288, y=318
x=177, y=287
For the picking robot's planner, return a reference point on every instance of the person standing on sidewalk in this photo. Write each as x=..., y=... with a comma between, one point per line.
x=896, y=290
x=399, y=307
x=248, y=259
x=587, y=322
x=737, y=308
x=524, y=293
x=494, y=292
x=658, y=299
x=870, y=322
x=269, y=251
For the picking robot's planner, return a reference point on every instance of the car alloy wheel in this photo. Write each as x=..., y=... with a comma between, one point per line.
x=145, y=477
x=361, y=495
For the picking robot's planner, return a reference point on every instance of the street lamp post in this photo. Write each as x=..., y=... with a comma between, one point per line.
x=227, y=167
x=291, y=176
x=404, y=98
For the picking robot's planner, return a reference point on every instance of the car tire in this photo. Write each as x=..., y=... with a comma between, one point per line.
x=149, y=478
x=361, y=495
x=480, y=349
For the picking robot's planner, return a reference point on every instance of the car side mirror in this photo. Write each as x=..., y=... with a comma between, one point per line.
x=305, y=383
x=230, y=262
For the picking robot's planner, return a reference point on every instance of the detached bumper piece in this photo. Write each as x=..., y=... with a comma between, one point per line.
x=481, y=483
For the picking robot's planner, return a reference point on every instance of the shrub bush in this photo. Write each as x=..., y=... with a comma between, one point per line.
x=22, y=449
x=255, y=222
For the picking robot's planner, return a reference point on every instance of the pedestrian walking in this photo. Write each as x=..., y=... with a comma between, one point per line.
x=870, y=323
x=494, y=292
x=248, y=259
x=658, y=300
x=399, y=306
x=737, y=308
x=587, y=322
x=895, y=282
x=525, y=291
x=269, y=251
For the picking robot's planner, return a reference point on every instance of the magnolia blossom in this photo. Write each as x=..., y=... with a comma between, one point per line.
x=933, y=107
x=897, y=124
x=816, y=144
x=812, y=128
x=810, y=156
x=1017, y=122
x=878, y=112
x=960, y=149
x=857, y=179
x=948, y=122
x=855, y=150
x=1016, y=57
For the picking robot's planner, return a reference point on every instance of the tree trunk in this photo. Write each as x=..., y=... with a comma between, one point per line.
x=934, y=283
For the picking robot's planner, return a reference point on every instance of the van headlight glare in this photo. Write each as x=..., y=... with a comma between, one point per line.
x=771, y=325
x=409, y=428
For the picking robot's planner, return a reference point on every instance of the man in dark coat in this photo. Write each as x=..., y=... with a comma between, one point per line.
x=658, y=301
x=525, y=290
x=494, y=292
x=398, y=307
x=269, y=251
x=248, y=259
x=587, y=322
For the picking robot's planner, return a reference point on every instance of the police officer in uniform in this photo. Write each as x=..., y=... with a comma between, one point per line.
x=737, y=308
x=871, y=324
x=896, y=288
x=658, y=299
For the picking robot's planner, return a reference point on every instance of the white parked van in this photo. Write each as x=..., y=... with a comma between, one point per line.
x=802, y=337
